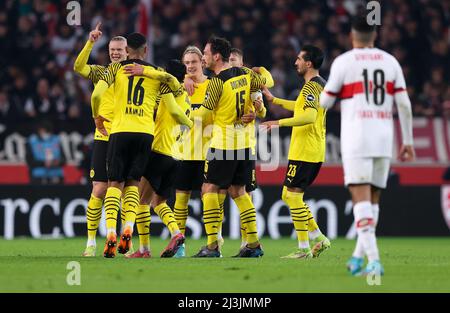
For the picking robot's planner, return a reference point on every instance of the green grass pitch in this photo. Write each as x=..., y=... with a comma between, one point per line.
x=411, y=265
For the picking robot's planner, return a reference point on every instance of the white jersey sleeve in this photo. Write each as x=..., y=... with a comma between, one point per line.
x=334, y=84
x=403, y=103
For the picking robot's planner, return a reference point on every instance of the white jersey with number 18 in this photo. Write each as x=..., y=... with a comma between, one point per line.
x=366, y=81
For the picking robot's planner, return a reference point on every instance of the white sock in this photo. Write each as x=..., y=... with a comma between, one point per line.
x=176, y=232
x=142, y=248
x=314, y=234
x=376, y=213
x=366, y=233
x=91, y=242
x=359, y=249
x=111, y=231
x=303, y=244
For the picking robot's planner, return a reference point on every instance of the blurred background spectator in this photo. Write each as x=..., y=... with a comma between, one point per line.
x=38, y=48
x=44, y=156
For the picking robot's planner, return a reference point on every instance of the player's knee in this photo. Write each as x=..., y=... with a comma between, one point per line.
x=236, y=191
x=209, y=188
x=157, y=200
x=99, y=189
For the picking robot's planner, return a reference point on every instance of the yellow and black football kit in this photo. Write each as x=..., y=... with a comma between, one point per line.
x=194, y=144
x=163, y=165
x=100, y=147
x=308, y=138
x=133, y=125
x=250, y=133
x=226, y=96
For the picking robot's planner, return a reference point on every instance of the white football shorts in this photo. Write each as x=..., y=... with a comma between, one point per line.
x=373, y=171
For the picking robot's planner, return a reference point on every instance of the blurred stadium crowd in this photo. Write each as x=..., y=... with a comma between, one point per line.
x=38, y=48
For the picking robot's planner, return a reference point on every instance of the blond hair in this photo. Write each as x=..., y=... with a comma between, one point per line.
x=192, y=49
x=118, y=38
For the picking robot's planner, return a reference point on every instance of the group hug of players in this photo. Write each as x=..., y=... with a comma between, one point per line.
x=176, y=128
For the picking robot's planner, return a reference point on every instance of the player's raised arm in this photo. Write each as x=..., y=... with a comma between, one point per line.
x=80, y=66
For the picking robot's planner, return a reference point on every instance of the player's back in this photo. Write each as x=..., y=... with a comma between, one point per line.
x=368, y=78
x=167, y=129
x=134, y=99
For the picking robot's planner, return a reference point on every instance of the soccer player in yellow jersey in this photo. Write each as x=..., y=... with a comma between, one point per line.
x=131, y=135
x=156, y=185
x=306, y=151
x=256, y=105
x=194, y=144
x=225, y=167
x=98, y=175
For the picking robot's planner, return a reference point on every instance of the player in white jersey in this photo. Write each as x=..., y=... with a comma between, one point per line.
x=368, y=80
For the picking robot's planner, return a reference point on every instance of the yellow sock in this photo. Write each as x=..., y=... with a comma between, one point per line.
x=123, y=213
x=143, y=219
x=112, y=205
x=248, y=217
x=181, y=210
x=211, y=216
x=93, y=216
x=299, y=214
x=130, y=204
x=166, y=215
x=222, y=197
x=243, y=234
x=312, y=224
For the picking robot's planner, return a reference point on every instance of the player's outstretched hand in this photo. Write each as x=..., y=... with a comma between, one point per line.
x=269, y=125
x=189, y=85
x=99, y=120
x=407, y=153
x=95, y=34
x=134, y=70
x=249, y=117
x=267, y=94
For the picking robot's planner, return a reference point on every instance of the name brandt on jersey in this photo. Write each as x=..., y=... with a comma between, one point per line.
x=134, y=111
x=239, y=83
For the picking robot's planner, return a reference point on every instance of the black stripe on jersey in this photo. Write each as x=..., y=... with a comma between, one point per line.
x=230, y=73
x=257, y=82
x=138, y=61
x=164, y=89
x=322, y=82
x=110, y=74
x=311, y=93
x=96, y=72
x=213, y=93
